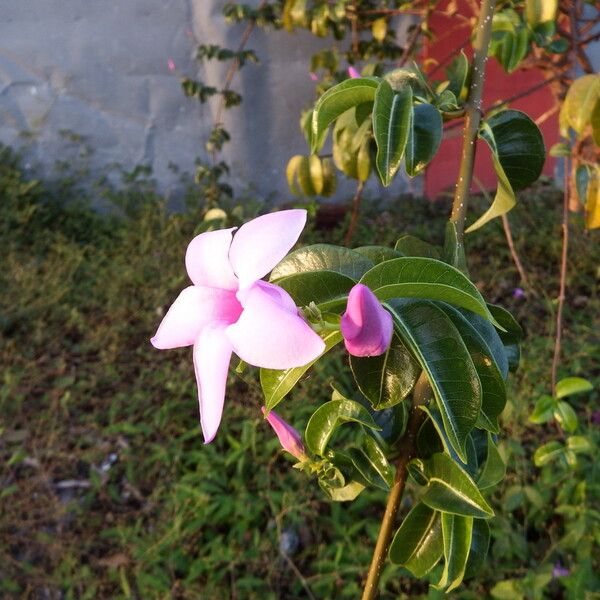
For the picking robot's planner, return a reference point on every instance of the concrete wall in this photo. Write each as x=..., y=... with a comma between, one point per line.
x=99, y=69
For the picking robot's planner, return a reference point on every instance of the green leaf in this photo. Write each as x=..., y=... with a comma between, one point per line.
x=451, y=490
x=378, y=254
x=579, y=104
x=543, y=410
x=511, y=332
x=277, y=384
x=457, y=532
x=518, y=155
x=457, y=74
x=387, y=379
x=346, y=493
x=579, y=443
x=436, y=344
x=424, y=137
x=493, y=388
x=560, y=150
x=372, y=465
x=416, y=277
x=409, y=245
x=494, y=468
x=572, y=385
x=328, y=417
x=391, y=120
x=418, y=544
x=540, y=11
x=321, y=287
x=338, y=100
x=547, y=453
x=566, y=416
x=322, y=257
x=480, y=543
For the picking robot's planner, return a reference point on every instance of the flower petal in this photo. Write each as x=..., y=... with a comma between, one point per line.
x=192, y=310
x=289, y=438
x=261, y=243
x=269, y=335
x=207, y=260
x=366, y=326
x=212, y=354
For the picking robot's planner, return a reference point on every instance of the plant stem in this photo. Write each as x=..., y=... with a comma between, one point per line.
x=515, y=255
x=406, y=448
x=354, y=215
x=563, y=278
x=473, y=116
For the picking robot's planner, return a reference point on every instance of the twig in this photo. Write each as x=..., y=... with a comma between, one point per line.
x=473, y=117
x=298, y=574
x=563, y=278
x=355, y=213
x=407, y=448
x=515, y=256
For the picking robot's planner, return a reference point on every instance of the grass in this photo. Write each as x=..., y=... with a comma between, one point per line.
x=107, y=490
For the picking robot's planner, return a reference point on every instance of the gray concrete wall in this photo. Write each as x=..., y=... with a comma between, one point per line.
x=99, y=69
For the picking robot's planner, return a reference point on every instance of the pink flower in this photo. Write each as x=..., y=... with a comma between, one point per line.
x=228, y=309
x=171, y=64
x=366, y=326
x=353, y=72
x=289, y=438
x=313, y=76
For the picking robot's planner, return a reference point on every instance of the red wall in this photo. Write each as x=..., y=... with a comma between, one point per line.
x=449, y=34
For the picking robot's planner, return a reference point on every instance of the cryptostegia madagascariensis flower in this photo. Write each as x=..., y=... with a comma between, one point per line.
x=229, y=309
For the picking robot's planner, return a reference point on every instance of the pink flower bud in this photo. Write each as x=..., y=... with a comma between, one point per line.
x=171, y=64
x=313, y=77
x=289, y=438
x=353, y=72
x=366, y=326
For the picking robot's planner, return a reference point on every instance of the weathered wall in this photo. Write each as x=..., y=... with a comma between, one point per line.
x=99, y=70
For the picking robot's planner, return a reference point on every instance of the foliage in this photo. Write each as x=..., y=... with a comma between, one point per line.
x=118, y=497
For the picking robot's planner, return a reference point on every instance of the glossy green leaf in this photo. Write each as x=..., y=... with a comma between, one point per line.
x=277, y=384
x=436, y=344
x=543, y=410
x=518, y=155
x=494, y=469
x=378, y=254
x=346, y=493
x=371, y=464
x=547, y=453
x=387, y=379
x=321, y=287
x=424, y=137
x=480, y=543
x=493, y=387
x=457, y=532
x=457, y=74
x=391, y=121
x=418, y=544
x=417, y=277
x=572, y=385
x=566, y=416
x=409, y=245
x=511, y=332
x=328, y=417
x=338, y=100
x=322, y=257
x=451, y=490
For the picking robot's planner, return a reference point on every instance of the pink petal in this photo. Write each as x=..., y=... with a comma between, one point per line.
x=261, y=243
x=212, y=353
x=353, y=72
x=269, y=335
x=192, y=310
x=366, y=326
x=278, y=294
x=207, y=260
x=289, y=438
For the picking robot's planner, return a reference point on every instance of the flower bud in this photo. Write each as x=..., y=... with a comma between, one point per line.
x=366, y=326
x=353, y=72
x=289, y=438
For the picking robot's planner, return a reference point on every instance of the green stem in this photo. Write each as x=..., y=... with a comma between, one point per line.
x=406, y=449
x=473, y=116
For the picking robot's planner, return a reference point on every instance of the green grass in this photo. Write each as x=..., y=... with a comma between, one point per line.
x=107, y=489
